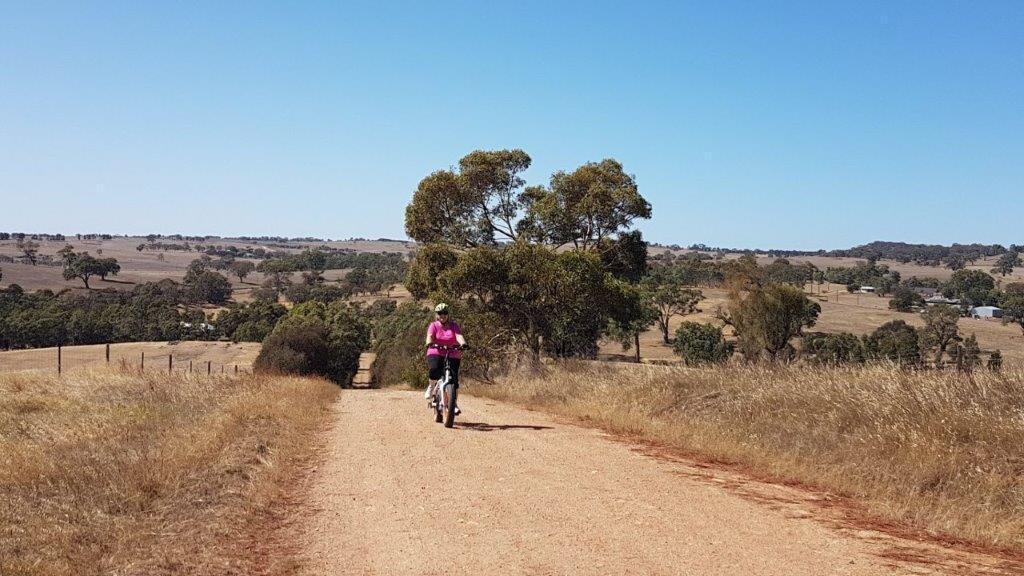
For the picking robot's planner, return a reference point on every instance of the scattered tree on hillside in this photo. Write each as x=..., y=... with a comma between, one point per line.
x=956, y=262
x=1013, y=309
x=242, y=268
x=29, y=250
x=1006, y=263
x=670, y=300
x=312, y=277
x=905, y=300
x=83, y=266
x=767, y=318
x=972, y=287
x=940, y=330
x=277, y=281
x=358, y=278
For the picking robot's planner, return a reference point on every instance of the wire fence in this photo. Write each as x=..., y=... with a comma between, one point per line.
x=64, y=358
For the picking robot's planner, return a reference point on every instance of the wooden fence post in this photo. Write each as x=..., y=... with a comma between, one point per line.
x=59, y=359
x=143, y=365
x=170, y=363
x=189, y=366
x=108, y=353
x=236, y=369
x=209, y=367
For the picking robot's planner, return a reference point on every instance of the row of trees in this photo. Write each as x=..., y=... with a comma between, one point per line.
x=956, y=256
x=149, y=312
x=938, y=343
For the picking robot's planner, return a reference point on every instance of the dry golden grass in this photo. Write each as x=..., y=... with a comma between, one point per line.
x=109, y=472
x=940, y=452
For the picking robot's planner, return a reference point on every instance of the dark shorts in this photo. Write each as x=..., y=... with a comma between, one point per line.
x=435, y=366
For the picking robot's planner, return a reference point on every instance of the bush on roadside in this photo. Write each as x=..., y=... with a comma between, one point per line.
x=316, y=339
x=399, y=346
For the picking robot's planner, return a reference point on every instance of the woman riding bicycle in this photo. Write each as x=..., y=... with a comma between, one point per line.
x=443, y=331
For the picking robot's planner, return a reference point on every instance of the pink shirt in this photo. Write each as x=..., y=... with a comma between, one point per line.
x=445, y=336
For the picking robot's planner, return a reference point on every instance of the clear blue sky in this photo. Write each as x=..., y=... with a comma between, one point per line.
x=761, y=124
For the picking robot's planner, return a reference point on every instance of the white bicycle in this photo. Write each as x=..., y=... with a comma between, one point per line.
x=446, y=392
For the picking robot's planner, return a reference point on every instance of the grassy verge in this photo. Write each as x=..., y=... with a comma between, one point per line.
x=940, y=452
x=124, y=473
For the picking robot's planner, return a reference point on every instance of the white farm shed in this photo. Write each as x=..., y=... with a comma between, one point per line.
x=986, y=312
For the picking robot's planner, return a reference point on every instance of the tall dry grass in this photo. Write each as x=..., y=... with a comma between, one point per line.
x=131, y=474
x=937, y=451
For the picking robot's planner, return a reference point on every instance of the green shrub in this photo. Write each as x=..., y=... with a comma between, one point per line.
x=834, y=349
x=399, y=346
x=895, y=341
x=701, y=343
x=315, y=338
x=905, y=300
x=296, y=346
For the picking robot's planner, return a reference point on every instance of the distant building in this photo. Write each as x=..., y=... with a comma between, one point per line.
x=986, y=312
x=940, y=299
x=925, y=291
x=867, y=289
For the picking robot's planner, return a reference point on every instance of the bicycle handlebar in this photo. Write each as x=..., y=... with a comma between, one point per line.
x=444, y=348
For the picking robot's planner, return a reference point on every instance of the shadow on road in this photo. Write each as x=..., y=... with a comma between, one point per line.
x=485, y=427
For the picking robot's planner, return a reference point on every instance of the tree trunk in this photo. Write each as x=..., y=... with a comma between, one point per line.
x=664, y=331
x=636, y=343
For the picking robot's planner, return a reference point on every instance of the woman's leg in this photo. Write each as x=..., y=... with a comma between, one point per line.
x=434, y=369
x=453, y=364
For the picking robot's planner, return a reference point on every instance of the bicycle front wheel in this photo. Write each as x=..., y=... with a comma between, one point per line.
x=450, y=392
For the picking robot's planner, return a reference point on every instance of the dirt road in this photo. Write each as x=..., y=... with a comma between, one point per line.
x=515, y=492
